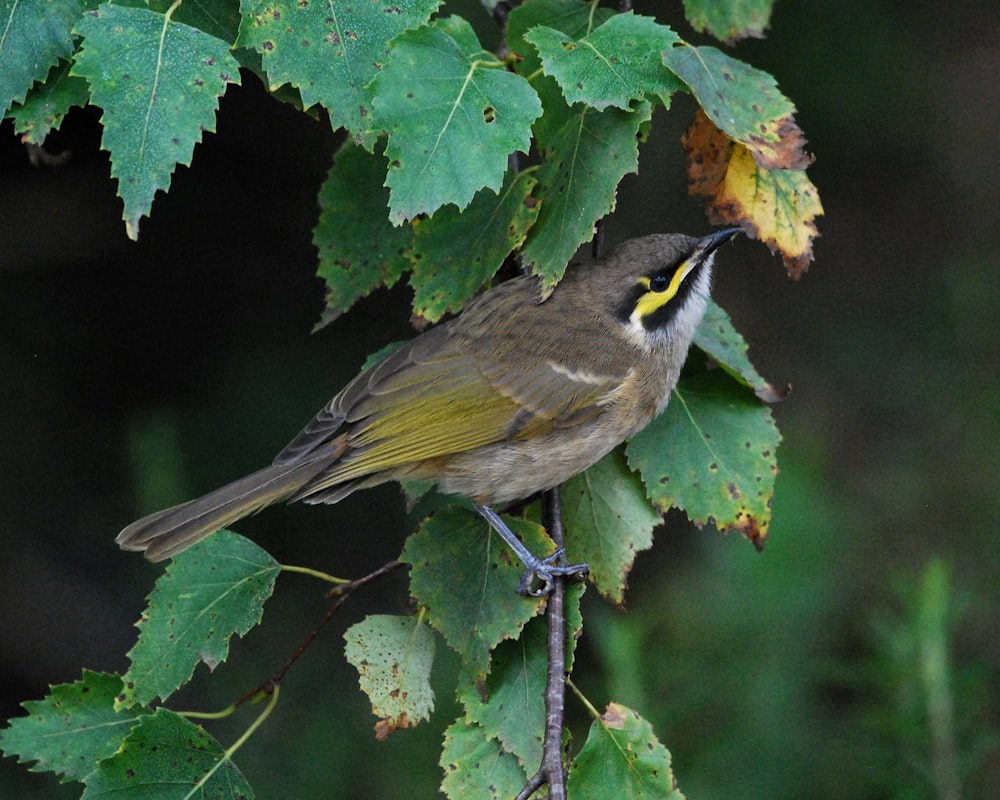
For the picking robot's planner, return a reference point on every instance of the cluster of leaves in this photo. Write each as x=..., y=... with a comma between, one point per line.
x=426, y=184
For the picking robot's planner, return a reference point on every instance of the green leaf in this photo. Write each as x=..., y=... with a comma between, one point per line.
x=621, y=758
x=608, y=520
x=465, y=576
x=731, y=19
x=712, y=453
x=47, y=103
x=167, y=757
x=209, y=592
x=475, y=765
x=456, y=252
x=359, y=249
x=453, y=113
x=393, y=656
x=574, y=18
x=744, y=103
x=614, y=65
x=717, y=338
x=159, y=83
x=72, y=729
x=330, y=51
x=585, y=154
x=34, y=35
x=513, y=712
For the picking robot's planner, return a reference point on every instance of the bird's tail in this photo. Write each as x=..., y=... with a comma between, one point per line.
x=168, y=532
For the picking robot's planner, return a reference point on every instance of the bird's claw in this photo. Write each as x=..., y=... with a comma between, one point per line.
x=537, y=578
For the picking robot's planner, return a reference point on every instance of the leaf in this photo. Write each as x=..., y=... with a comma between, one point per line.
x=621, y=758
x=453, y=113
x=476, y=766
x=330, y=51
x=716, y=337
x=207, y=593
x=72, y=729
x=456, y=252
x=46, y=105
x=711, y=453
x=732, y=20
x=159, y=83
x=467, y=579
x=510, y=704
x=359, y=250
x=744, y=102
x=34, y=35
x=167, y=757
x=608, y=520
x=585, y=154
x=574, y=18
x=393, y=656
x=780, y=205
x=613, y=65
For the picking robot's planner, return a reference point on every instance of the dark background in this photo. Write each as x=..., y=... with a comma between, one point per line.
x=139, y=374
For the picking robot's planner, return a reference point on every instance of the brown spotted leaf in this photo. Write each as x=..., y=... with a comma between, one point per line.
x=711, y=453
x=778, y=206
x=744, y=102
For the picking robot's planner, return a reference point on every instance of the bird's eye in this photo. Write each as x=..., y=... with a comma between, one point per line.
x=658, y=283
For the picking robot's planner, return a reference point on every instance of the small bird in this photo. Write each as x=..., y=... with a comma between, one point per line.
x=512, y=397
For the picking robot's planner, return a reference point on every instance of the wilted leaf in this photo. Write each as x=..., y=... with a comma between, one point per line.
x=780, y=205
x=72, y=729
x=393, y=656
x=207, y=593
x=744, y=102
x=711, y=453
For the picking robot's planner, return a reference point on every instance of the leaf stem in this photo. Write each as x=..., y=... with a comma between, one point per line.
x=583, y=698
x=323, y=576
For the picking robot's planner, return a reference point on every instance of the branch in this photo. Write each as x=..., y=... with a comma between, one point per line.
x=552, y=771
x=343, y=594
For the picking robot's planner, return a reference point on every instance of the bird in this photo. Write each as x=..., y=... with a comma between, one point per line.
x=513, y=396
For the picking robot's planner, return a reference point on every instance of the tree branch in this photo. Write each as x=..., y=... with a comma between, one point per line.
x=552, y=770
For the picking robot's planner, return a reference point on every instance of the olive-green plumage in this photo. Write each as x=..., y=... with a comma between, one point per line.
x=513, y=396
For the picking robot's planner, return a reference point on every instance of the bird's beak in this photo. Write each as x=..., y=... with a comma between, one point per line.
x=709, y=244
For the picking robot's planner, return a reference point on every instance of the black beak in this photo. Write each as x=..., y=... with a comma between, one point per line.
x=709, y=244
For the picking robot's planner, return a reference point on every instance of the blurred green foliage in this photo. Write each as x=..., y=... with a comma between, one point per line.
x=793, y=673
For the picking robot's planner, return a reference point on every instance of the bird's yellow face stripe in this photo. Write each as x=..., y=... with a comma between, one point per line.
x=651, y=301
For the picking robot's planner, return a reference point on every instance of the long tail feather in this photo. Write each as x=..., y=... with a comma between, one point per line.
x=168, y=532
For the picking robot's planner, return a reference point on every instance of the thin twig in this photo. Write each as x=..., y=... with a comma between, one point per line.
x=552, y=771
x=343, y=594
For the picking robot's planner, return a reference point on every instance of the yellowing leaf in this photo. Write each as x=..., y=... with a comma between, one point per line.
x=779, y=205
